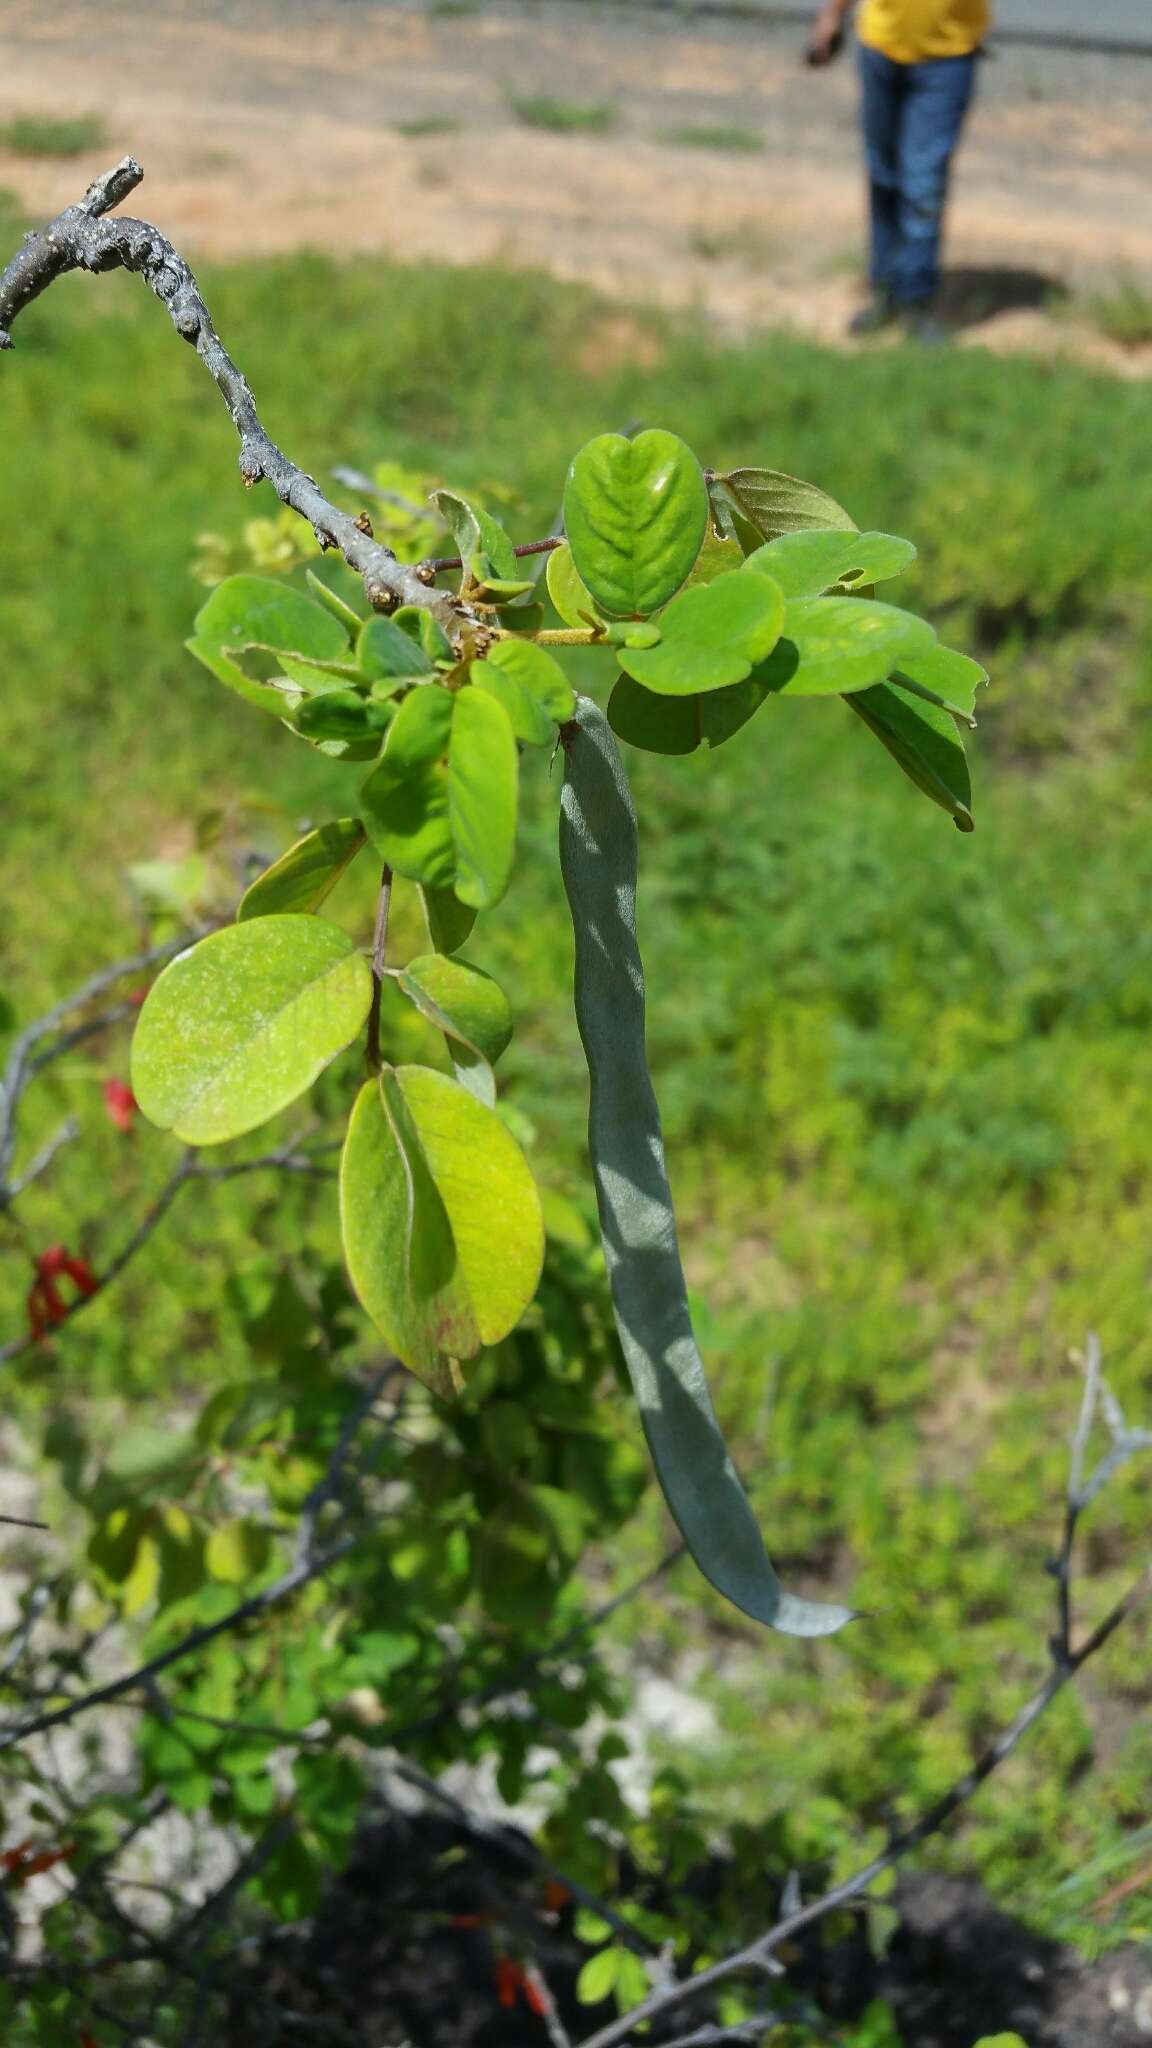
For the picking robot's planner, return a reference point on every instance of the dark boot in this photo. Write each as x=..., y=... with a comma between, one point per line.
x=923, y=324
x=878, y=313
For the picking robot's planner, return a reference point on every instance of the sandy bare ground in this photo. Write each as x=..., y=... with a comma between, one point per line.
x=264, y=124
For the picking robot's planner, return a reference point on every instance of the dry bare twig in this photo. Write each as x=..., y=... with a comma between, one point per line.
x=82, y=238
x=1067, y=1660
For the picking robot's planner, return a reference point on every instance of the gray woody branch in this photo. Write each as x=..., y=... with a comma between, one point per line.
x=81, y=238
x=1067, y=1659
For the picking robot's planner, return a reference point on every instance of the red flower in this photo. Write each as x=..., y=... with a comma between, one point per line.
x=25, y=1861
x=120, y=1103
x=46, y=1304
x=509, y=1980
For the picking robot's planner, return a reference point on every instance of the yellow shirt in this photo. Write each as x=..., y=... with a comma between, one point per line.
x=908, y=30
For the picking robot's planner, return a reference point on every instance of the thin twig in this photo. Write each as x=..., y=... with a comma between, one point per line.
x=81, y=238
x=524, y=1852
x=549, y=2011
x=1066, y=1661
x=328, y=1487
x=289, y=1582
x=42, y=1160
x=288, y=1158
x=434, y=564
x=513, y=1680
x=23, y=1060
x=308, y=1564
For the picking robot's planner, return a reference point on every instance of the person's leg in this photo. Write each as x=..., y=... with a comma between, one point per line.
x=938, y=95
x=882, y=85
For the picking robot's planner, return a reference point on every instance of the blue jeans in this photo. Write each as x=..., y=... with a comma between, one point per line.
x=913, y=114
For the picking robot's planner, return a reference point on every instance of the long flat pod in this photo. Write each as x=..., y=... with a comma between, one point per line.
x=699, y=1480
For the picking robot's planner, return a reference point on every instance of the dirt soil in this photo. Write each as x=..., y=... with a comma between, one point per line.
x=264, y=124
x=404, y=1953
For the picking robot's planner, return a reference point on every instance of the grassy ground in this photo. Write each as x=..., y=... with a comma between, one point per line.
x=906, y=1075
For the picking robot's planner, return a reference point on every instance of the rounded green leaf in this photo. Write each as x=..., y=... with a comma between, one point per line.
x=597, y=1979
x=236, y=1552
x=477, y=1007
x=678, y=725
x=342, y=715
x=711, y=636
x=254, y=612
x=385, y=652
x=441, y=1221
x=807, y=564
x=768, y=502
x=476, y=533
x=571, y=597
x=404, y=802
x=831, y=645
x=483, y=779
x=238, y=1027
x=537, y=672
x=301, y=879
x=635, y=513
x=532, y=688
x=449, y=921
x=944, y=676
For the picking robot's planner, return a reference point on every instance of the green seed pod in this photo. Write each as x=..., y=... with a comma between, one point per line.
x=699, y=1480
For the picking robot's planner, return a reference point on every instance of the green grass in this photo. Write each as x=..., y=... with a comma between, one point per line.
x=427, y=124
x=1125, y=314
x=729, y=137
x=41, y=135
x=906, y=1075
x=564, y=117
x=744, y=242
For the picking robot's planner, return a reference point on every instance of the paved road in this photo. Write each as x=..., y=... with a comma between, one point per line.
x=1111, y=20
x=1123, y=23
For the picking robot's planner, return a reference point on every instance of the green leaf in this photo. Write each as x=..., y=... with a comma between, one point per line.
x=301, y=879
x=404, y=802
x=477, y=533
x=532, y=687
x=469, y=1008
x=426, y=631
x=638, y=1225
x=711, y=636
x=715, y=559
x=385, y=652
x=831, y=645
x=635, y=513
x=924, y=742
x=254, y=613
x=768, y=502
x=476, y=1005
x=236, y=1028
x=807, y=564
x=944, y=677
x=236, y=1552
x=597, y=1979
x=349, y=617
x=441, y=1221
x=571, y=597
x=342, y=715
x=678, y=725
x=449, y=921
x=483, y=772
